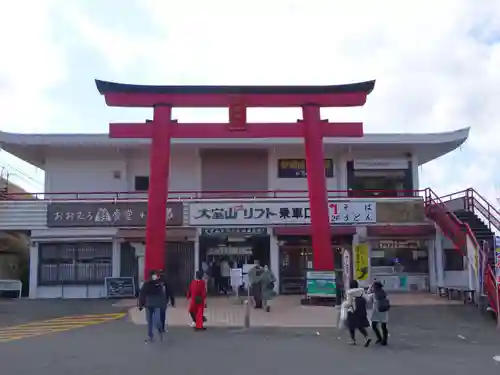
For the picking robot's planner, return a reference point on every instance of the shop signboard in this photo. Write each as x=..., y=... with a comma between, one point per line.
x=361, y=262
x=107, y=214
x=370, y=164
x=296, y=168
x=246, y=231
x=321, y=284
x=266, y=213
x=119, y=287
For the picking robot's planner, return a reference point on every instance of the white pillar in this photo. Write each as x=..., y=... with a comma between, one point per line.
x=34, y=260
x=431, y=245
x=197, y=250
x=116, y=260
x=471, y=264
x=342, y=175
x=438, y=253
x=140, y=249
x=415, y=177
x=275, y=259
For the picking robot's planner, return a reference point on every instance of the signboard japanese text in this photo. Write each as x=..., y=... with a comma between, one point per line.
x=106, y=214
x=296, y=168
x=233, y=231
x=361, y=261
x=277, y=213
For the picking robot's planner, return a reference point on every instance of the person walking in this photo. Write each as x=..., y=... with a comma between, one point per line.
x=380, y=312
x=254, y=279
x=225, y=274
x=197, y=293
x=267, y=282
x=169, y=297
x=356, y=312
x=152, y=297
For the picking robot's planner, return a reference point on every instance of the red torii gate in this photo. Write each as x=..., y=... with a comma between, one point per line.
x=238, y=98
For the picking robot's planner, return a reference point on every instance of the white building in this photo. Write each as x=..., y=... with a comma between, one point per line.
x=74, y=247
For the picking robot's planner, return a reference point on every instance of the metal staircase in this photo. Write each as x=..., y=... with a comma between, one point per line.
x=468, y=214
x=484, y=235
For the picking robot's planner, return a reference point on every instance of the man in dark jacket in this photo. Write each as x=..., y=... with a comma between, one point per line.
x=169, y=297
x=153, y=298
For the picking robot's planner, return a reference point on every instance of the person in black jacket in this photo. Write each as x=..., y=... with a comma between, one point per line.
x=169, y=297
x=153, y=298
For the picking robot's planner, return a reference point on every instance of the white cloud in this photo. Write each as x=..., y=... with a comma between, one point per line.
x=31, y=64
x=436, y=62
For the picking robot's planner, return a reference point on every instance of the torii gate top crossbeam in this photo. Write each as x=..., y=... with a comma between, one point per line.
x=125, y=95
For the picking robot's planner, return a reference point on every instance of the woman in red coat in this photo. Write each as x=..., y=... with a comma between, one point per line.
x=198, y=294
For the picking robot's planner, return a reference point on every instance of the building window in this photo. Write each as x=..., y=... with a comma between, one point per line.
x=296, y=168
x=141, y=183
x=453, y=260
x=373, y=183
x=396, y=257
x=74, y=263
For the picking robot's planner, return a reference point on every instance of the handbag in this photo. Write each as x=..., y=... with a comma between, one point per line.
x=342, y=319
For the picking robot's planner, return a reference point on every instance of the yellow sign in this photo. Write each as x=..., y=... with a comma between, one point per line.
x=361, y=261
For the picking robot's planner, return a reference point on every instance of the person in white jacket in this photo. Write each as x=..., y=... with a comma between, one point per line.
x=357, y=319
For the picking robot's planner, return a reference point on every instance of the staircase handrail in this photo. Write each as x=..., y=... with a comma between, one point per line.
x=490, y=287
x=456, y=194
x=489, y=280
x=477, y=208
x=475, y=201
x=469, y=231
x=439, y=201
x=432, y=197
x=484, y=200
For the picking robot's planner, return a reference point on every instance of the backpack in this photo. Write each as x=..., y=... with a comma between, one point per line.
x=384, y=305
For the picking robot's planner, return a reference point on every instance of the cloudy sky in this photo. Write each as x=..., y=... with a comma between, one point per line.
x=437, y=65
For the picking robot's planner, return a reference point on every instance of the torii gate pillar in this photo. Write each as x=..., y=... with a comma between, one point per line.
x=159, y=168
x=316, y=182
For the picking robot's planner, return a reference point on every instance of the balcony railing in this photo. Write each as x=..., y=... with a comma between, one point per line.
x=200, y=195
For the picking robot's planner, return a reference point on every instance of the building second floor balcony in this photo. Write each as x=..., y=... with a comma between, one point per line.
x=226, y=195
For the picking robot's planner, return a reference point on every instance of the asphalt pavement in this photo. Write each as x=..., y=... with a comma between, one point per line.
x=423, y=340
x=14, y=311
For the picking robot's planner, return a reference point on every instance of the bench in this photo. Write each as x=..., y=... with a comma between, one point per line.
x=11, y=286
x=465, y=294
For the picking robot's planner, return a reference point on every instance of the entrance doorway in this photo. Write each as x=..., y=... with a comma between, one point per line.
x=219, y=253
x=296, y=257
x=179, y=261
